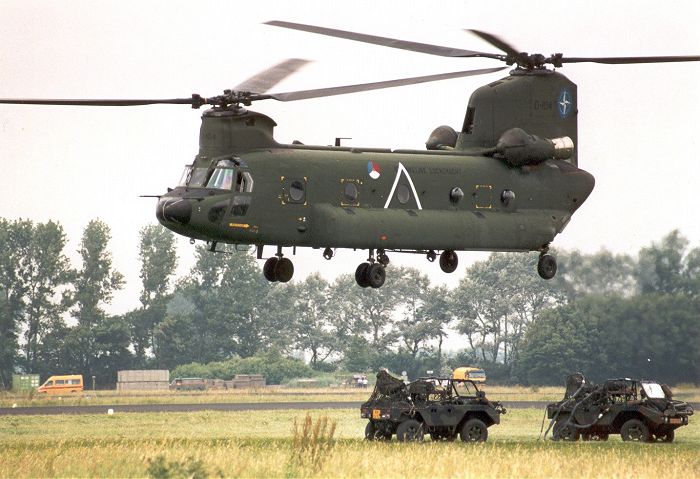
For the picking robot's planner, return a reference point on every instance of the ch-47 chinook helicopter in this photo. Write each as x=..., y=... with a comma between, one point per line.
x=508, y=181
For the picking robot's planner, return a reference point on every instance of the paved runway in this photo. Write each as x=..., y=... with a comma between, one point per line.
x=102, y=409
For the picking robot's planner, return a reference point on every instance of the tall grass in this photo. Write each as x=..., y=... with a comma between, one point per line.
x=280, y=444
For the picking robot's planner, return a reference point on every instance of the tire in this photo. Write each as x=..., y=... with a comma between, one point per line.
x=409, y=430
x=284, y=270
x=448, y=261
x=474, y=430
x=269, y=269
x=361, y=275
x=635, y=430
x=547, y=266
x=565, y=432
x=665, y=436
x=370, y=431
x=376, y=274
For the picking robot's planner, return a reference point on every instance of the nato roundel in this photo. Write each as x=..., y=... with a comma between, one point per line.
x=565, y=103
x=373, y=170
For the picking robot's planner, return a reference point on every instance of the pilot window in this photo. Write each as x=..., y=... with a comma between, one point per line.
x=222, y=178
x=193, y=176
x=244, y=182
x=297, y=191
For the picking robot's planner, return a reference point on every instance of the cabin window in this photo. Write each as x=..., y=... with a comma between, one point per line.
x=222, y=179
x=403, y=194
x=296, y=191
x=350, y=193
x=185, y=176
x=240, y=205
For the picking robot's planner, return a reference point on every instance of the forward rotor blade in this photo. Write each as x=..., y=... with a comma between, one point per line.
x=342, y=90
x=385, y=42
x=172, y=101
x=263, y=81
x=496, y=42
x=631, y=60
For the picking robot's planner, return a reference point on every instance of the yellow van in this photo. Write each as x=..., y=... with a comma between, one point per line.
x=465, y=373
x=71, y=383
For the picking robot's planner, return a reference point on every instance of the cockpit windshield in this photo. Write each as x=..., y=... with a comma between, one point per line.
x=222, y=178
x=193, y=177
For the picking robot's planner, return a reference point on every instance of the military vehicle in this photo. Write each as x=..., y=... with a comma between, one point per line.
x=441, y=407
x=507, y=180
x=638, y=410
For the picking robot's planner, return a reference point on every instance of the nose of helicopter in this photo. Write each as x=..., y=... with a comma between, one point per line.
x=175, y=210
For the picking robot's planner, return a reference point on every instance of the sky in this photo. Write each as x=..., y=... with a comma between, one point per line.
x=638, y=124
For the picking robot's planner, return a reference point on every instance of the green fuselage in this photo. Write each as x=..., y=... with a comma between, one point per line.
x=379, y=199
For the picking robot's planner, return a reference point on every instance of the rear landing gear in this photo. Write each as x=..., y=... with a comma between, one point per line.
x=547, y=265
x=448, y=261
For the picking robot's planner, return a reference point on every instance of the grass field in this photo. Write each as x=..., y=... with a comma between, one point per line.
x=263, y=444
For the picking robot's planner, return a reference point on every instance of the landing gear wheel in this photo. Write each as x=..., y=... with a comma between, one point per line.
x=361, y=275
x=474, y=430
x=409, y=430
x=376, y=274
x=635, y=430
x=547, y=266
x=269, y=269
x=383, y=259
x=430, y=256
x=448, y=261
x=328, y=253
x=284, y=270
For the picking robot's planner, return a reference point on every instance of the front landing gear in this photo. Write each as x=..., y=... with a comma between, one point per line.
x=278, y=268
x=546, y=265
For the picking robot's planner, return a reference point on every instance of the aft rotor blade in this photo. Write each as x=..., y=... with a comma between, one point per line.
x=496, y=42
x=631, y=60
x=172, y=101
x=263, y=81
x=342, y=90
x=385, y=42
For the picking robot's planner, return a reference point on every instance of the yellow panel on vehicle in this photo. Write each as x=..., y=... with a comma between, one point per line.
x=468, y=373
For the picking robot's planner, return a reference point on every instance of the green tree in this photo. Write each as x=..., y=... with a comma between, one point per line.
x=158, y=257
x=496, y=302
x=602, y=273
x=667, y=267
x=94, y=285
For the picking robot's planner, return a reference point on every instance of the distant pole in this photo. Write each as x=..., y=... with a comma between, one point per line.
x=93, y=383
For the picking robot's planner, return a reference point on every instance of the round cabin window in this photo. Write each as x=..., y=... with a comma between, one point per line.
x=296, y=191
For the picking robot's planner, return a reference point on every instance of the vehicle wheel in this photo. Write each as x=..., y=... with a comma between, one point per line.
x=448, y=261
x=635, y=430
x=474, y=430
x=547, y=266
x=371, y=431
x=565, y=432
x=376, y=274
x=269, y=269
x=665, y=436
x=409, y=430
x=284, y=270
x=361, y=275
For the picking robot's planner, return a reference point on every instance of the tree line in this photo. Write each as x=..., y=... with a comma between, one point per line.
x=604, y=314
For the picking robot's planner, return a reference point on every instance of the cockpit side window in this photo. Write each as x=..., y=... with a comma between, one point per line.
x=244, y=182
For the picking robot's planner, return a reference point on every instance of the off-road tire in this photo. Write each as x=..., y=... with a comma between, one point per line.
x=474, y=430
x=565, y=432
x=409, y=430
x=635, y=430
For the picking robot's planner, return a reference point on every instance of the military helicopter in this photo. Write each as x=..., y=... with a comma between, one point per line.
x=507, y=181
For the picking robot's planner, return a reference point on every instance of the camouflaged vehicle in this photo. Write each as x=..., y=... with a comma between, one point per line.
x=638, y=410
x=441, y=407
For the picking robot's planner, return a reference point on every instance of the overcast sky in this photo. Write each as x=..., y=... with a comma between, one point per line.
x=638, y=124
